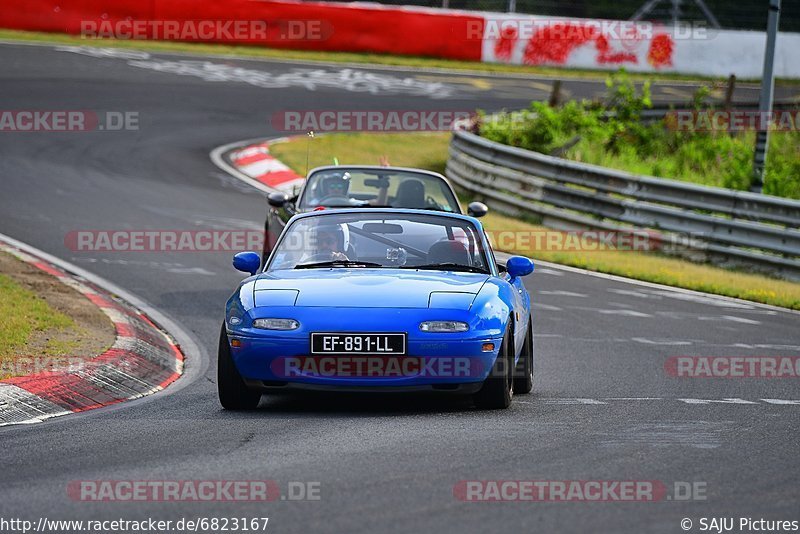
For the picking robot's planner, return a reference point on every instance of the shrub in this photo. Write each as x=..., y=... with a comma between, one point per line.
x=612, y=134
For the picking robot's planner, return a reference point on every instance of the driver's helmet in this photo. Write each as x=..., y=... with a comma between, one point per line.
x=329, y=238
x=335, y=186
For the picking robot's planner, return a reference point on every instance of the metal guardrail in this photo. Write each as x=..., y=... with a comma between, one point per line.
x=737, y=228
x=660, y=110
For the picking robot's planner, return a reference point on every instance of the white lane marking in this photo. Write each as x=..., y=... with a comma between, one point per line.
x=191, y=270
x=545, y=270
x=563, y=293
x=170, y=267
x=627, y=313
x=311, y=79
x=668, y=342
x=574, y=401
x=715, y=318
x=540, y=306
x=759, y=346
x=710, y=300
x=740, y=319
x=633, y=293
x=93, y=51
x=337, y=76
x=718, y=401
x=697, y=434
x=634, y=398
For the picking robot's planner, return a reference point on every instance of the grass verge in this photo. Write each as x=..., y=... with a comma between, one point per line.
x=21, y=314
x=343, y=57
x=44, y=323
x=429, y=151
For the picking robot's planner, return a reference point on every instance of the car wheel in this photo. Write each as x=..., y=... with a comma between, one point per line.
x=523, y=374
x=233, y=393
x=498, y=388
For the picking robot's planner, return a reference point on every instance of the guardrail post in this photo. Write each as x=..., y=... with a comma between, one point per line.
x=729, y=91
x=765, y=102
x=555, y=94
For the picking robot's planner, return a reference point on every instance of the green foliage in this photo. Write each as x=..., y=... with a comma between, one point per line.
x=612, y=134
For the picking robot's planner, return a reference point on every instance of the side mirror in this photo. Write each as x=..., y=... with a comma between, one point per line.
x=277, y=199
x=247, y=262
x=519, y=266
x=477, y=209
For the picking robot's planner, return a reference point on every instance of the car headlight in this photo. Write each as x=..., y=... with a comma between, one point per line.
x=276, y=324
x=443, y=326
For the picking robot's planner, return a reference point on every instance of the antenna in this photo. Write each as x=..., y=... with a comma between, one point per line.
x=308, y=149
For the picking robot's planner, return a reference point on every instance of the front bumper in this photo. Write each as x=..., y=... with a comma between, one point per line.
x=433, y=361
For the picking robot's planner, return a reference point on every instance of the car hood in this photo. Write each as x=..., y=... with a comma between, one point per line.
x=367, y=288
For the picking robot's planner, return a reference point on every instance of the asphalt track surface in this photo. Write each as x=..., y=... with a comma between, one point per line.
x=602, y=409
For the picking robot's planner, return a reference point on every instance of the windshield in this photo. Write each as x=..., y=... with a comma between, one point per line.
x=344, y=187
x=403, y=241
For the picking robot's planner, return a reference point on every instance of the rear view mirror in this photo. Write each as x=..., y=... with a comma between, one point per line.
x=519, y=266
x=277, y=199
x=247, y=262
x=383, y=228
x=477, y=209
x=378, y=183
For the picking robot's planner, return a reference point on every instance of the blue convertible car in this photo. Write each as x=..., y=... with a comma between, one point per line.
x=378, y=300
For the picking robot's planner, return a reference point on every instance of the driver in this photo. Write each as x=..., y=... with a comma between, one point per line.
x=335, y=186
x=328, y=244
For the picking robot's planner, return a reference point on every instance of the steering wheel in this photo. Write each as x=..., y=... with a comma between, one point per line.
x=346, y=200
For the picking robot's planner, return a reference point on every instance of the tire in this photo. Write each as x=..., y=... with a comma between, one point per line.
x=233, y=393
x=523, y=374
x=498, y=388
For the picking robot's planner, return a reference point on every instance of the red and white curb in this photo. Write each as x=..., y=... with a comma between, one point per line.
x=143, y=360
x=253, y=160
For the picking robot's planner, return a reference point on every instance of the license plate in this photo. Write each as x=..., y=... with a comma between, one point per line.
x=357, y=343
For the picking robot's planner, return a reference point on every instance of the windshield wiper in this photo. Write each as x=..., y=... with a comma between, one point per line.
x=337, y=263
x=447, y=267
